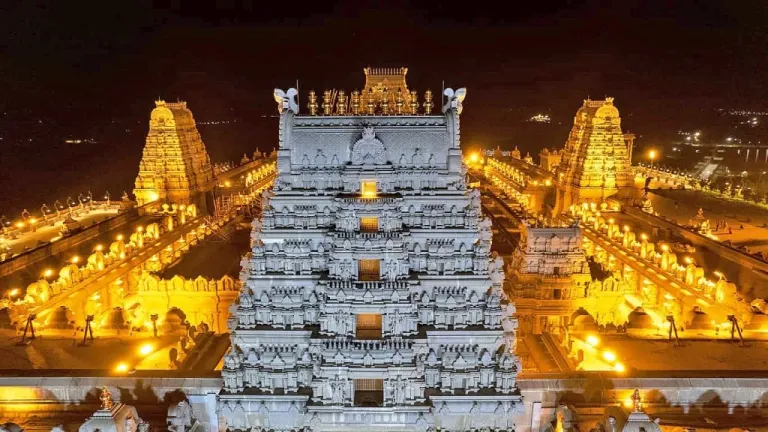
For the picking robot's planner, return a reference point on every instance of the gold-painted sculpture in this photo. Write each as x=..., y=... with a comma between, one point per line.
x=312, y=105
x=106, y=399
x=399, y=102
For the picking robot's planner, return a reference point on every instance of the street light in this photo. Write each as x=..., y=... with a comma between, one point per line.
x=13, y=293
x=652, y=156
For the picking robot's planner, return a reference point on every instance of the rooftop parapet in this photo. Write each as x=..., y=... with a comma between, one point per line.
x=385, y=93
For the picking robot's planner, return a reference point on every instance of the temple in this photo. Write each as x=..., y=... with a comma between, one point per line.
x=175, y=165
x=547, y=272
x=595, y=161
x=371, y=299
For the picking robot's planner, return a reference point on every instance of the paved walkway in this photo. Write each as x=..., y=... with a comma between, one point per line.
x=682, y=206
x=48, y=233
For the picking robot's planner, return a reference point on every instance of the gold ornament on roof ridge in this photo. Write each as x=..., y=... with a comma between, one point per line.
x=428, y=102
x=327, y=104
x=385, y=101
x=414, y=102
x=341, y=103
x=312, y=105
x=355, y=102
x=399, y=102
x=370, y=106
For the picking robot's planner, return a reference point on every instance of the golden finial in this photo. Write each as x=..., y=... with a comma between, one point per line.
x=385, y=101
x=636, y=401
x=327, y=104
x=428, y=102
x=355, y=102
x=370, y=106
x=106, y=399
x=399, y=102
x=414, y=102
x=312, y=105
x=341, y=104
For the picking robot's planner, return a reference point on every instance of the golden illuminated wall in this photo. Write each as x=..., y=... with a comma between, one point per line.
x=595, y=161
x=175, y=164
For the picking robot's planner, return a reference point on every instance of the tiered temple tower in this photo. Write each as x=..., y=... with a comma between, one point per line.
x=175, y=166
x=595, y=161
x=371, y=300
x=548, y=272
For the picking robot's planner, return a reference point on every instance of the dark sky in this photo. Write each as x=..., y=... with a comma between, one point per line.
x=95, y=57
x=86, y=63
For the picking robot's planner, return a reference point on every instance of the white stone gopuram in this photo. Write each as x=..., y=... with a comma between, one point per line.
x=371, y=300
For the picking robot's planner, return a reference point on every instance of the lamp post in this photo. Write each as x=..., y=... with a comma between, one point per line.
x=12, y=293
x=652, y=156
x=154, y=318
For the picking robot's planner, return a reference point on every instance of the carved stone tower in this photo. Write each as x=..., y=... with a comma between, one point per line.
x=371, y=300
x=595, y=161
x=175, y=165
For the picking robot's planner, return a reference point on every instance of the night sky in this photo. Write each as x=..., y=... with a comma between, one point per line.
x=72, y=68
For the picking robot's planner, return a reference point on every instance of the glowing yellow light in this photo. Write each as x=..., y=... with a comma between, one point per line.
x=626, y=228
x=154, y=196
x=121, y=368
x=19, y=224
x=652, y=154
x=664, y=247
x=368, y=189
x=688, y=260
x=611, y=221
x=629, y=403
x=119, y=237
x=99, y=247
x=75, y=259
x=139, y=228
x=227, y=183
x=548, y=182
x=593, y=340
x=609, y=356
x=146, y=349
x=473, y=157
x=643, y=236
x=33, y=221
x=47, y=272
x=719, y=274
x=618, y=367
x=14, y=292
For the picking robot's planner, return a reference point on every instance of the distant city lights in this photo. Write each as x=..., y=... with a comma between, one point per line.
x=540, y=118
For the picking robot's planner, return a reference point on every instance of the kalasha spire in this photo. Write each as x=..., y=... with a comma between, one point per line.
x=106, y=399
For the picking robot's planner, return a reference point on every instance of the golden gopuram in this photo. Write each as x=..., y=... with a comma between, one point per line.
x=175, y=165
x=595, y=161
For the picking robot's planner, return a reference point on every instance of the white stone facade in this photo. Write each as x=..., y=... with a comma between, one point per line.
x=410, y=254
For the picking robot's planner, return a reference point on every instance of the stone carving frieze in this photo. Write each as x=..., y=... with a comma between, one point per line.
x=368, y=150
